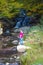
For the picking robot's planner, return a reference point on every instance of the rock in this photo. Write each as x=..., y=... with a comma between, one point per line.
x=25, y=29
x=15, y=42
x=22, y=48
x=1, y=31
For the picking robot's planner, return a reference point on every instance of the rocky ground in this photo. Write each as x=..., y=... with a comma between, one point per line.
x=32, y=37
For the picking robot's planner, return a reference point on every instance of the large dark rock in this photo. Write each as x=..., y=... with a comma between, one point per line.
x=22, y=19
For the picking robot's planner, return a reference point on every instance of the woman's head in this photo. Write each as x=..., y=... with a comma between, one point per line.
x=21, y=31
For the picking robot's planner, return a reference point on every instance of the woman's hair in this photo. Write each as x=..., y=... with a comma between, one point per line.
x=21, y=31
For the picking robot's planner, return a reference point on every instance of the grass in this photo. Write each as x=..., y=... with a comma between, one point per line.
x=34, y=40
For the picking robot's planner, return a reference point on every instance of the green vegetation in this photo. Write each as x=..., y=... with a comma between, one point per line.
x=10, y=8
x=34, y=40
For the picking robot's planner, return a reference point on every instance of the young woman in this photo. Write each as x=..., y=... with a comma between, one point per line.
x=21, y=35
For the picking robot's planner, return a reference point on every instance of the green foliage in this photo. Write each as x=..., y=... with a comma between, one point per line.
x=10, y=8
x=35, y=35
x=35, y=41
x=33, y=56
